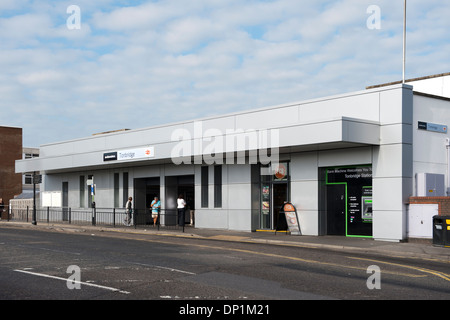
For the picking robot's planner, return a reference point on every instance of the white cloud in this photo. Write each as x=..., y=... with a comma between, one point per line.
x=43, y=77
x=145, y=16
x=7, y=5
x=163, y=61
x=27, y=26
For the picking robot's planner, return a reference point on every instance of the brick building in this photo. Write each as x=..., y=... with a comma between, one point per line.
x=10, y=151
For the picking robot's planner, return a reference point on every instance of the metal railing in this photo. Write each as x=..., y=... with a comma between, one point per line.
x=112, y=217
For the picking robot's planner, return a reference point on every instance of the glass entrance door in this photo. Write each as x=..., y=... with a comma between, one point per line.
x=274, y=193
x=280, y=196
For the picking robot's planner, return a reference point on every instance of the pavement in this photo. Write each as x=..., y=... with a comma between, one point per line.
x=413, y=248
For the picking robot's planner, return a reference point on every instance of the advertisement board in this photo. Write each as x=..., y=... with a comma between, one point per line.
x=292, y=221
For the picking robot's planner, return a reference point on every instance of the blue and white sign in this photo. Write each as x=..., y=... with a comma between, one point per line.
x=130, y=154
x=432, y=127
x=139, y=153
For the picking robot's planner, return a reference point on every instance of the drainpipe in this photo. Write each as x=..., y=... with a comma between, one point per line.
x=447, y=141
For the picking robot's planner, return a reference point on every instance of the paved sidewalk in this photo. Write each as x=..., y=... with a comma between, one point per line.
x=422, y=249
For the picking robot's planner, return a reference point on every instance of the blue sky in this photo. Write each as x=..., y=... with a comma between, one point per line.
x=135, y=64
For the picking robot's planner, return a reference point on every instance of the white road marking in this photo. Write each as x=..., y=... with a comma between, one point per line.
x=64, y=279
x=166, y=268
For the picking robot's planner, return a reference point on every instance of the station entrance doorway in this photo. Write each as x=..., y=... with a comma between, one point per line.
x=145, y=190
x=174, y=186
x=275, y=192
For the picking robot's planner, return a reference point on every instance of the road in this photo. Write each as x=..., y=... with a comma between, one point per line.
x=96, y=265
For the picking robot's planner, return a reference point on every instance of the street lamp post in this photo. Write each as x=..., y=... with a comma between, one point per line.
x=404, y=41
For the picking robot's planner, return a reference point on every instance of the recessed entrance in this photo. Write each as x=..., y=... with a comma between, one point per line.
x=174, y=186
x=145, y=189
x=345, y=201
x=274, y=193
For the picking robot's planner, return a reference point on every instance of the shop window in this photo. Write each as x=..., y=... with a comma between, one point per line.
x=28, y=179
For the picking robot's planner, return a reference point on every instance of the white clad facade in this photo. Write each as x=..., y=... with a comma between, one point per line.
x=371, y=131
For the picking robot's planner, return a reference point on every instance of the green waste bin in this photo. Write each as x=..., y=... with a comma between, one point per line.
x=441, y=231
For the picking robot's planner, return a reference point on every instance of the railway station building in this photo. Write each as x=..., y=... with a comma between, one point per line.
x=349, y=164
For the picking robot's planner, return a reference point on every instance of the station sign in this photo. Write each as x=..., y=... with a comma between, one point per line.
x=433, y=127
x=37, y=178
x=129, y=154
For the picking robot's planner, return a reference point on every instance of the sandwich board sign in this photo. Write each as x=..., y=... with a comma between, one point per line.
x=290, y=213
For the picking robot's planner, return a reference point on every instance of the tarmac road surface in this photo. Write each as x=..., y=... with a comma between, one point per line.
x=96, y=265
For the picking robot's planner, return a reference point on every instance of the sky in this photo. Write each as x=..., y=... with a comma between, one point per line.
x=69, y=69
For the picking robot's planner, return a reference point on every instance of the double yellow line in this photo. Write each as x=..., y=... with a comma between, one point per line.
x=439, y=274
x=278, y=256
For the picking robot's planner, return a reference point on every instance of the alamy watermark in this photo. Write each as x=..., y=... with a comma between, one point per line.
x=74, y=280
x=73, y=22
x=374, y=280
x=232, y=146
x=374, y=20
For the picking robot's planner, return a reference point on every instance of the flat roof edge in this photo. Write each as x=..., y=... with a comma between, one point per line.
x=429, y=95
x=280, y=106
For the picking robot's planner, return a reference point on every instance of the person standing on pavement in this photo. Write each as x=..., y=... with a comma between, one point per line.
x=181, y=206
x=155, y=205
x=128, y=211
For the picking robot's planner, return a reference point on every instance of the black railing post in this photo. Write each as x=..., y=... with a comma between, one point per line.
x=70, y=215
x=158, y=221
x=48, y=215
x=94, y=214
x=114, y=217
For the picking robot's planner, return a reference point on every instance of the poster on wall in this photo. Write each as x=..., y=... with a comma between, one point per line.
x=292, y=221
x=266, y=199
x=51, y=199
